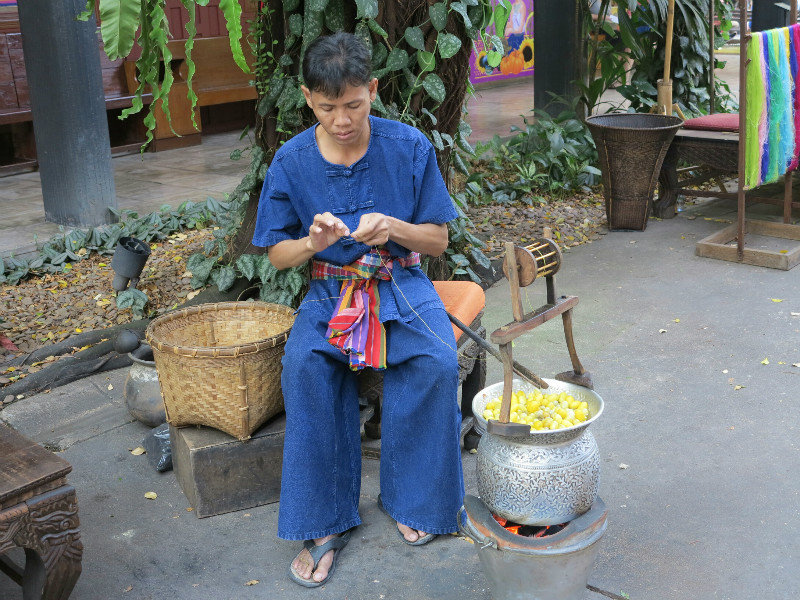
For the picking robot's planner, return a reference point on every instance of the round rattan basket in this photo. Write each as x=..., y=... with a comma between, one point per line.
x=220, y=364
x=631, y=148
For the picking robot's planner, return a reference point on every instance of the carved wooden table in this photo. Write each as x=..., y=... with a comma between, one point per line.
x=38, y=513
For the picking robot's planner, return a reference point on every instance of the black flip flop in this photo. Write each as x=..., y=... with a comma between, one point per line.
x=317, y=552
x=421, y=541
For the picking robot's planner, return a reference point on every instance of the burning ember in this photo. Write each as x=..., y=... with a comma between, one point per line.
x=534, y=531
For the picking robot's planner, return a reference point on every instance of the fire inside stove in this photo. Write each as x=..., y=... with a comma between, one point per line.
x=533, y=531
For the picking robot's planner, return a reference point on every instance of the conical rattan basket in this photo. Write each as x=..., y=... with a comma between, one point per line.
x=220, y=364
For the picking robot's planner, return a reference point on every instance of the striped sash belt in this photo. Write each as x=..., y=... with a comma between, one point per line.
x=354, y=327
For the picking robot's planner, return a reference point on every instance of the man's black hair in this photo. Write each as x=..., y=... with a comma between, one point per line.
x=333, y=62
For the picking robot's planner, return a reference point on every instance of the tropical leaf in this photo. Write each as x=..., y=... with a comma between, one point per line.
x=449, y=45
x=191, y=31
x=435, y=87
x=415, y=38
x=438, y=14
x=366, y=8
x=232, y=11
x=119, y=20
x=397, y=59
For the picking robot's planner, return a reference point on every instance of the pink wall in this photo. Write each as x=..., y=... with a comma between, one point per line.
x=517, y=42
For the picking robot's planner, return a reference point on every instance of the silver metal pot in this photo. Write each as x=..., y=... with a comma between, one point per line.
x=142, y=392
x=546, y=477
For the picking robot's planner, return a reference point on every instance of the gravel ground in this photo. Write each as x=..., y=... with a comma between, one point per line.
x=575, y=220
x=48, y=309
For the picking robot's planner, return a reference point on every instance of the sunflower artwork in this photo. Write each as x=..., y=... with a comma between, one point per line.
x=517, y=60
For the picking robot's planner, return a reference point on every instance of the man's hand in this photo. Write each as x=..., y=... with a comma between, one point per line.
x=324, y=232
x=373, y=229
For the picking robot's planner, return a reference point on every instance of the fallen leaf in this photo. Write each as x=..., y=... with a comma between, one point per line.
x=780, y=362
x=252, y=582
x=784, y=251
x=623, y=466
x=777, y=299
x=676, y=320
x=731, y=427
x=738, y=387
x=110, y=387
x=102, y=265
x=127, y=589
x=150, y=495
x=662, y=331
x=138, y=451
x=189, y=509
x=473, y=451
x=7, y=344
x=765, y=361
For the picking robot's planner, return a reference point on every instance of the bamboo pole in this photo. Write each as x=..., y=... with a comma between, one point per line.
x=668, y=48
x=664, y=91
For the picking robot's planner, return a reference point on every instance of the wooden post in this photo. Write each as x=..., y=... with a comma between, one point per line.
x=62, y=62
x=513, y=281
x=744, y=38
x=711, y=78
x=787, y=179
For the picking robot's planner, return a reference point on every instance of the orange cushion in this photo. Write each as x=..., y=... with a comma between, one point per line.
x=462, y=299
x=715, y=122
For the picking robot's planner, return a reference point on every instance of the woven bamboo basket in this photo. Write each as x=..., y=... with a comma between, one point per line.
x=220, y=364
x=631, y=148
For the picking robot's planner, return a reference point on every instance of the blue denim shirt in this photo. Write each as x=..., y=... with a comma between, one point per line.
x=397, y=176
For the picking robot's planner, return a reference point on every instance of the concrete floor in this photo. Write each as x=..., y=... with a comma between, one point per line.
x=706, y=507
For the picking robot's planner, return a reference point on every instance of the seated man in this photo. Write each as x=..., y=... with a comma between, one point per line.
x=361, y=196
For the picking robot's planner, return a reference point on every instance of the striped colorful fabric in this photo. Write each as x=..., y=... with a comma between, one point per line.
x=355, y=327
x=773, y=98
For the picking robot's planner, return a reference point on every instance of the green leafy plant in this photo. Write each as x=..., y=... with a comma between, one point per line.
x=57, y=254
x=547, y=156
x=636, y=52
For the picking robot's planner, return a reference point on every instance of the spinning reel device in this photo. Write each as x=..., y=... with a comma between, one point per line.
x=522, y=266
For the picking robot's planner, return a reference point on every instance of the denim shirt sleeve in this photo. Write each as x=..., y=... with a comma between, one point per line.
x=433, y=203
x=277, y=219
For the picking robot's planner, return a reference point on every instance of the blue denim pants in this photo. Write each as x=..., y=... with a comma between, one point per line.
x=421, y=479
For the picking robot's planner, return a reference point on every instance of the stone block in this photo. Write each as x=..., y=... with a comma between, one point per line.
x=220, y=474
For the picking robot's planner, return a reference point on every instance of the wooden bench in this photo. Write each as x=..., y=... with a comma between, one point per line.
x=15, y=108
x=464, y=300
x=217, y=80
x=39, y=513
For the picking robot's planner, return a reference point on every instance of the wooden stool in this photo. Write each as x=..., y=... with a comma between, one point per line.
x=464, y=300
x=39, y=513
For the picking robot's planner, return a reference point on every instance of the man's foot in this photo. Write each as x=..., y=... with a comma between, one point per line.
x=409, y=534
x=304, y=564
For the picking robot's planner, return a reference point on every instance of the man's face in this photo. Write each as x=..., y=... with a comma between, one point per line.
x=344, y=119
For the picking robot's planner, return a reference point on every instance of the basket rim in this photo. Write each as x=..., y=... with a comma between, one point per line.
x=591, y=120
x=217, y=351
